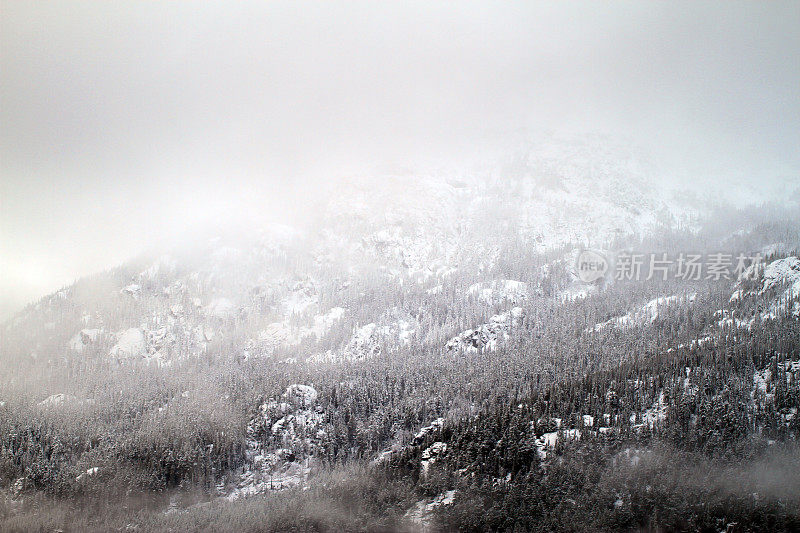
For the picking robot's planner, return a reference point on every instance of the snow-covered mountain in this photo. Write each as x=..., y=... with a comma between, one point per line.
x=303, y=346
x=276, y=289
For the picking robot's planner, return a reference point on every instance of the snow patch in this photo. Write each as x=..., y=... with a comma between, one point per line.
x=56, y=400
x=486, y=337
x=91, y=472
x=281, y=440
x=134, y=289
x=83, y=338
x=499, y=291
x=545, y=443
x=431, y=455
x=394, y=328
x=421, y=513
x=648, y=313
x=130, y=343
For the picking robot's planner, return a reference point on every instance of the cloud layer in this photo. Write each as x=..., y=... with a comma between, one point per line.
x=126, y=122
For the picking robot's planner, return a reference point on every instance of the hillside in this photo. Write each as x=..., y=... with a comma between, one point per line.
x=428, y=339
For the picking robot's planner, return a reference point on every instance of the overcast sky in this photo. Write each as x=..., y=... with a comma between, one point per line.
x=123, y=122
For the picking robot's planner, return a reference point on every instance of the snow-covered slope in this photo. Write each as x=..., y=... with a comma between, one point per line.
x=284, y=290
x=648, y=313
x=779, y=279
x=281, y=441
x=486, y=337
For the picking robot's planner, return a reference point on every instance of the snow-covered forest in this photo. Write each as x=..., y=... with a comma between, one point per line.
x=276, y=267
x=454, y=360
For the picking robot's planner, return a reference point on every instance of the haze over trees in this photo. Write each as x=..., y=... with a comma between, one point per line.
x=399, y=267
x=441, y=356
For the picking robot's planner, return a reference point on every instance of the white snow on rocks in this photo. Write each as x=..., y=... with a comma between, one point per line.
x=394, y=328
x=419, y=439
x=91, y=472
x=430, y=455
x=323, y=323
x=652, y=416
x=648, y=313
x=56, y=400
x=277, y=334
x=146, y=345
x=437, y=289
x=130, y=343
x=548, y=440
x=134, y=289
x=421, y=513
x=302, y=296
x=781, y=275
x=364, y=344
x=576, y=291
x=304, y=394
x=764, y=382
x=83, y=338
x=285, y=333
x=421, y=256
x=436, y=425
x=486, y=337
x=499, y=291
x=776, y=274
x=281, y=440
